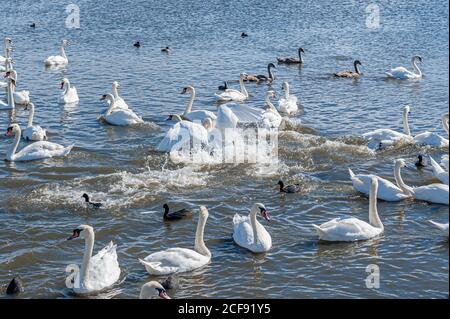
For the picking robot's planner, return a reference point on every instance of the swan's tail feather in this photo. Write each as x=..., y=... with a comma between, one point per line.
x=319, y=230
x=150, y=265
x=389, y=74
x=68, y=149
x=440, y=226
x=436, y=167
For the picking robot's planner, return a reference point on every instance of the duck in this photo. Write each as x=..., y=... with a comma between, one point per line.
x=292, y=60
x=20, y=97
x=261, y=77
x=120, y=102
x=420, y=162
x=33, y=25
x=15, y=286
x=244, y=35
x=235, y=95
x=271, y=117
x=402, y=73
x=193, y=116
x=58, y=59
x=294, y=188
x=137, y=44
x=433, y=139
x=89, y=203
x=434, y=193
x=349, y=229
x=179, y=260
x=439, y=172
x=442, y=227
x=165, y=50
x=249, y=233
x=118, y=116
x=97, y=272
x=34, y=151
x=288, y=103
x=70, y=94
x=387, y=190
x=177, y=215
x=151, y=288
x=33, y=132
x=350, y=74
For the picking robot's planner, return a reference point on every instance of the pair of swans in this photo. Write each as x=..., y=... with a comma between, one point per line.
x=97, y=272
x=33, y=132
x=249, y=233
x=16, y=97
x=234, y=95
x=58, y=60
x=292, y=60
x=188, y=114
x=69, y=95
x=351, y=228
x=287, y=104
x=34, y=151
x=402, y=73
x=350, y=74
x=439, y=172
x=119, y=116
x=178, y=260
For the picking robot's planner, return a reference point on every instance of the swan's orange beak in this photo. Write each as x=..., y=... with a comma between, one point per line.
x=266, y=215
x=76, y=234
x=163, y=295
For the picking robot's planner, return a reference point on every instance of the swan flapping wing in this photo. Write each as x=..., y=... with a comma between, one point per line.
x=182, y=134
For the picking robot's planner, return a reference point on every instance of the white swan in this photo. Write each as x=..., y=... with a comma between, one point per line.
x=70, y=94
x=20, y=97
x=97, y=272
x=288, y=104
x=439, y=172
x=235, y=95
x=271, y=117
x=387, y=190
x=386, y=137
x=198, y=115
x=33, y=132
x=445, y=161
x=7, y=43
x=433, y=193
x=433, y=139
x=351, y=228
x=183, y=133
x=120, y=102
x=402, y=73
x=442, y=227
x=181, y=259
x=34, y=151
x=119, y=116
x=58, y=59
x=150, y=288
x=249, y=233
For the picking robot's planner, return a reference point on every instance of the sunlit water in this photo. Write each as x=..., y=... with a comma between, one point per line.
x=40, y=201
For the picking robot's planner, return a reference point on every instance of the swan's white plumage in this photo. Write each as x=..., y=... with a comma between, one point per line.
x=123, y=117
x=430, y=139
x=288, y=103
x=442, y=227
x=403, y=73
x=34, y=133
x=182, y=134
x=439, y=172
x=70, y=94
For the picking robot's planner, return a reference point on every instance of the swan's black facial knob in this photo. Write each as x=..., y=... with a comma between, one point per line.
x=9, y=131
x=264, y=213
x=76, y=234
x=184, y=90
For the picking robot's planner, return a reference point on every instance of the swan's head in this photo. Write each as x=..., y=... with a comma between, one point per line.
x=401, y=162
x=63, y=82
x=64, y=42
x=10, y=131
x=357, y=62
x=115, y=84
x=301, y=50
x=187, y=89
x=271, y=65
x=8, y=40
x=151, y=288
x=207, y=123
x=418, y=57
x=81, y=231
x=262, y=210
x=285, y=86
x=270, y=93
x=407, y=109
x=204, y=212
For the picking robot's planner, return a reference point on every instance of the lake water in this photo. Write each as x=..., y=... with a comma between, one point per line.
x=40, y=201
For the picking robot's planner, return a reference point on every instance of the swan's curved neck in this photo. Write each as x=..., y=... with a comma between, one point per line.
x=416, y=68
x=254, y=222
x=374, y=219
x=242, y=86
x=269, y=70
x=445, y=122
x=286, y=91
x=406, y=130
x=12, y=151
x=300, y=56
x=88, y=248
x=269, y=103
x=399, y=180
x=10, y=93
x=63, y=52
x=30, y=115
x=112, y=104
x=200, y=246
x=356, y=65
x=191, y=102
x=66, y=87
x=115, y=91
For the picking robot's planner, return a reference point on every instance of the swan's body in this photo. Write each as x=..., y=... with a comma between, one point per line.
x=433, y=193
x=120, y=102
x=58, y=59
x=249, y=233
x=350, y=74
x=181, y=259
x=271, y=117
x=34, y=151
x=433, y=139
x=20, y=97
x=70, y=94
x=33, y=132
x=235, y=95
x=442, y=227
x=402, y=73
x=118, y=116
x=292, y=60
x=352, y=229
x=287, y=104
x=439, y=172
x=194, y=116
x=97, y=272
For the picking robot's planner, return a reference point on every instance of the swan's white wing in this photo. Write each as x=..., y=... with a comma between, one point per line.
x=71, y=96
x=400, y=73
x=199, y=115
x=34, y=133
x=384, y=134
x=226, y=119
x=55, y=59
x=288, y=106
x=439, y=172
x=123, y=117
x=182, y=134
x=387, y=190
x=433, y=193
x=22, y=97
x=246, y=114
x=346, y=229
x=242, y=231
x=41, y=149
x=431, y=139
x=104, y=268
x=231, y=95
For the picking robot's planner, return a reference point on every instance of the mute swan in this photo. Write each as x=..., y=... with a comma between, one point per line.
x=235, y=95
x=420, y=162
x=34, y=151
x=402, y=73
x=119, y=116
x=183, y=133
x=387, y=190
x=70, y=94
x=152, y=287
x=262, y=77
x=181, y=259
x=249, y=233
x=89, y=203
x=288, y=104
x=58, y=59
x=97, y=272
x=442, y=227
x=7, y=42
x=290, y=60
x=351, y=228
x=193, y=116
x=120, y=103
x=271, y=117
x=439, y=172
x=431, y=138
x=350, y=74
x=179, y=214
x=166, y=50
x=15, y=286
x=433, y=193
x=20, y=97
x=294, y=188
x=33, y=132
x=387, y=136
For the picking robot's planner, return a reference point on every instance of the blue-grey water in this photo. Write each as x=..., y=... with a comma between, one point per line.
x=40, y=201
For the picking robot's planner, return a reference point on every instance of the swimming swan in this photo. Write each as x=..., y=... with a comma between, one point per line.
x=439, y=172
x=33, y=132
x=118, y=116
x=149, y=289
x=235, y=95
x=198, y=115
x=70, y=94
x=402, y=73
x=58, y=59
x=431, y=138
x=287, y=104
